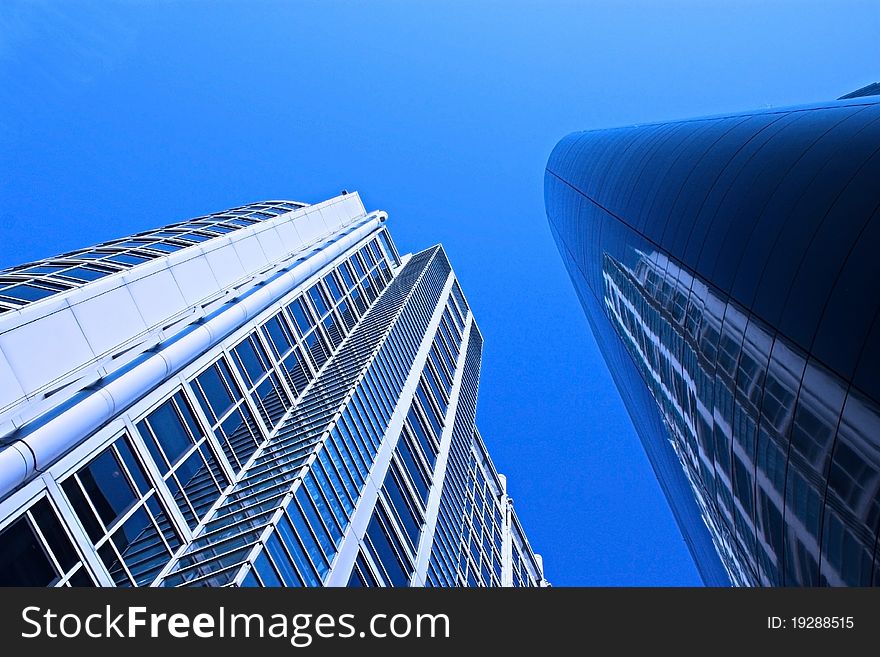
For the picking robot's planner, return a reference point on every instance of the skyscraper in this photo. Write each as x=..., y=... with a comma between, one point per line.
x=263, y=396
x=728, y=268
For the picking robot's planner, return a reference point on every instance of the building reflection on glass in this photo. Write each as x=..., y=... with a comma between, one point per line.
x=782, y=454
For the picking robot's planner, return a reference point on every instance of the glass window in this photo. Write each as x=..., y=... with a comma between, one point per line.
x=282, y=562
x=127, y=259
x=296, y=371
x=109, y=490
x=279, y=336
x=301, y=315
x=216, y=390
x=26, y=292
x=318, y=299
x=403, y=506
x=135, y=538
x=345, y=272
x=164, y=428
x=252, y=359
x=389, y=247
x=316, y=554
x=387, y=550
x=27, y=559
x=185, y=461
x=333, y=286
x=297, y=552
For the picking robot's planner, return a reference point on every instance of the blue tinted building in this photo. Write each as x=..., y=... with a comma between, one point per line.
x=264, y=396
x=729, y=270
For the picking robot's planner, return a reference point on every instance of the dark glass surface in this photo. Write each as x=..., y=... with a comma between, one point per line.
x=107, y=486
x=23, y=560
x=728, y=270
x=214, y=389
x=168, y=432
x=53, y=532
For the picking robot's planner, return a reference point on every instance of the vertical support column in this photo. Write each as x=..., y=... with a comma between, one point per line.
x=507, y=536
x=432, y=509
x=350, y=545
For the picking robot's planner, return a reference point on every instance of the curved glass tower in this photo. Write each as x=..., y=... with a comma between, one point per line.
x=729, y=270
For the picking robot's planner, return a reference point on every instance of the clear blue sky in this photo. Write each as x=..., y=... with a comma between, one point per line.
x=117, y=118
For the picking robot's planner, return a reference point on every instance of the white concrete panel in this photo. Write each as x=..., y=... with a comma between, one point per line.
x=310, y=227
x=328, y=218
x=289, y=236
x=157, y=297
x=10, y=390
x=45, y=349
x=250, y=253
x=109, y=319
x=271, y=244
x=225, y=264
x=27, y=314
x=195, y=279
x=347, y=209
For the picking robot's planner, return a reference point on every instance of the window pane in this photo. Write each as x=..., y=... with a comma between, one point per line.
x=170, y=432
x=54, y=533
x=107, y=487
x=214, y=392
x=23, y=561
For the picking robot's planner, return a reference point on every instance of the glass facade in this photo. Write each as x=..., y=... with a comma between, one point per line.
x=309, y=443
x=727, y=268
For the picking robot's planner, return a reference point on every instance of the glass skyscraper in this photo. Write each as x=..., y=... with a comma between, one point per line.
x=264, y=396
x=729, y=270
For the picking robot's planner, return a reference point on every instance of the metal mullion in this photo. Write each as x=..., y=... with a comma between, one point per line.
x=384, y=375
x=377, y=562
x=156, y=522
x=326, y=499
x=287, y=551
x=268, y=555
x=279, y=451
x=121, y=562
x=88, y=500
x=364, y=424
x=198, y=548
x=405, y=479
x=322, y=470
x=275, y=363
x=396, y=527
x=247, y=399
x=354, y=453
x=195, y=580
x=305, y=517
x=246, y=507
x=307, y=558
x=252, y=500
x=372, y=386
x=45, y=544
x=440, y=380
x=366, y=455
x=142, y=497
x=415, y=448
x=377, y=570
x=159, y=483
x=70, y=521
x=339, y=474
x=209, y=534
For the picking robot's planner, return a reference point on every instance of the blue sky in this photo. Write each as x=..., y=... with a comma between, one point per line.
x=117, y=118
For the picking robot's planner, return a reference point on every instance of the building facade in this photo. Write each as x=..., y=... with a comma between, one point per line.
x=728, y=269
x=265, y=396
